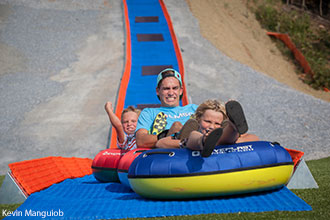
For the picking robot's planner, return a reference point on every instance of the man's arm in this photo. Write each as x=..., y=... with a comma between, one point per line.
x=144, y=139
x=168, y=142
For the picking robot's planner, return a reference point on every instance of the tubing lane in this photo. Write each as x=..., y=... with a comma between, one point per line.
x=151, y=46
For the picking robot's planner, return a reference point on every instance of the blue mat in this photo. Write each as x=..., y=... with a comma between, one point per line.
x=86, y=198
x=141, y=88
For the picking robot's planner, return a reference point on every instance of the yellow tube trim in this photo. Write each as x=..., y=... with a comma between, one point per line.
x=213, y=184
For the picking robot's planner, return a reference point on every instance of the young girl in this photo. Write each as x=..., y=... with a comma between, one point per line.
x=218, y=124
x=125, y=127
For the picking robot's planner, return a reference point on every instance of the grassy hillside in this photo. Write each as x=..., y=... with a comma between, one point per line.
x=309, y=31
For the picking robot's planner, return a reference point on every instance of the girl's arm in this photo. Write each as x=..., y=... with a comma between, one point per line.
x=115, y=121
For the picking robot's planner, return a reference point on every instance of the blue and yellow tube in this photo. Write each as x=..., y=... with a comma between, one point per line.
x=231, y=169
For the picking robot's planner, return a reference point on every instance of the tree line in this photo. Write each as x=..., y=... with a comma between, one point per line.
x=321, y=6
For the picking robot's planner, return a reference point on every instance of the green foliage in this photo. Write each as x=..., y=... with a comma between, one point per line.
x=11, y=207
x=269, y=17
x=313, y=42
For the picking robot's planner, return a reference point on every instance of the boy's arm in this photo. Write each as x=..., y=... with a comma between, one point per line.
x=115, y=121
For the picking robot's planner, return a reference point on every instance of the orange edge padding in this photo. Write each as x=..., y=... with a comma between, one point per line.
x=38, y=174
x=125, y=78
x=296, y=156
x=177, y=50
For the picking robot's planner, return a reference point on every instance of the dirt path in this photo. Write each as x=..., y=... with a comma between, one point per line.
x=233, y=29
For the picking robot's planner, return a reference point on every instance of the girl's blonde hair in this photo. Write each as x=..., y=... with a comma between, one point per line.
x=131, y=109
x=214, y=105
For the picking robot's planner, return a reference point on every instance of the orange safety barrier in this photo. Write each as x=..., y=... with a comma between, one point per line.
x=38, y=174
x=297, y=54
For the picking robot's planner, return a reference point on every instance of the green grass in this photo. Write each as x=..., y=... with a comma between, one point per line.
x=4, y=206
x=319, y=199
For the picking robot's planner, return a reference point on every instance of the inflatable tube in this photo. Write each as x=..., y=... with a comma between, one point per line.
x=105, y=165
x=125, y=162
x=231, y=169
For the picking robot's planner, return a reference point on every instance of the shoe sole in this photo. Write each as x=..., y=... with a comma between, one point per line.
x=188, y=127
x=211, y=142
x=159, y=123
x=236, y=115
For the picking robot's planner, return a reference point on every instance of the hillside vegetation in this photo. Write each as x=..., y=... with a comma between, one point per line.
x=231, y=26
x=309, y=31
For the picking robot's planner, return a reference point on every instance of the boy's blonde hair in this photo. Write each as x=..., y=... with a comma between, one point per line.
x=214, y=105
x=131, y=109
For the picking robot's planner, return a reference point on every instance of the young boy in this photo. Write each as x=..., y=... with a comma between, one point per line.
x=214, y=124
x=125, y=127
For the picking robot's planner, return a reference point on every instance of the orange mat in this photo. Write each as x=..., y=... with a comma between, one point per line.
x=35, y=175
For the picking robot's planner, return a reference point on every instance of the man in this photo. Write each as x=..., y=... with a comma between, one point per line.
x=170, y=115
